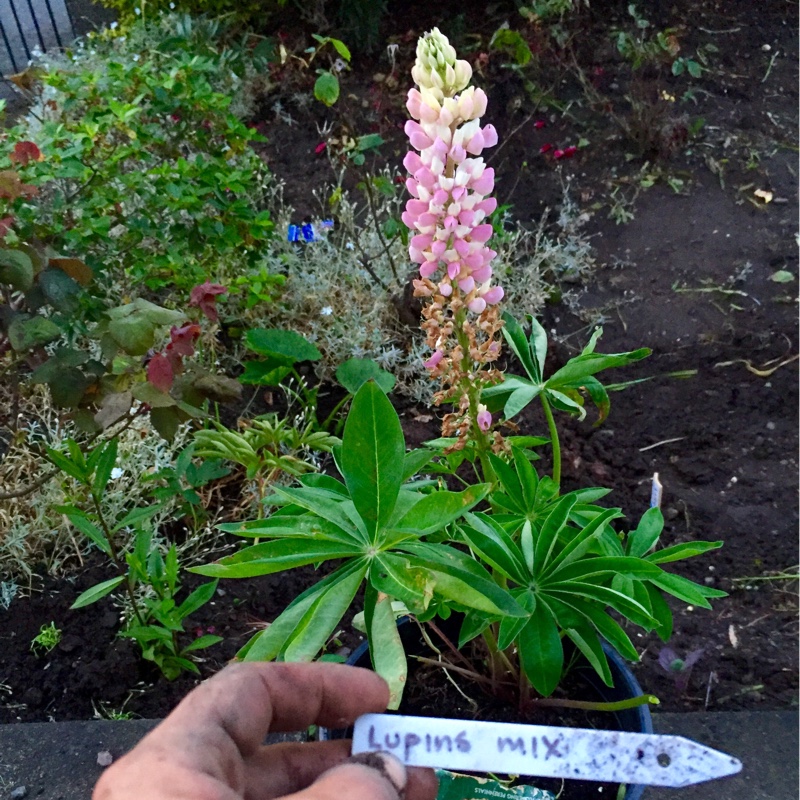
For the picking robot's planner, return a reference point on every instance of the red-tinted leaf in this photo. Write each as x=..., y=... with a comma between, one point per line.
x=204, y=297
x=11, y=187
x=25, y=152
x=160, y=373
x=5, y=226
x=183, y=338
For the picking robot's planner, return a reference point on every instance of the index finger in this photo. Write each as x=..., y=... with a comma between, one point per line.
x=247, y=700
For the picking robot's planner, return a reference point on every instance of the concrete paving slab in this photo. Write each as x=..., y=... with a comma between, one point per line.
x=58, y=761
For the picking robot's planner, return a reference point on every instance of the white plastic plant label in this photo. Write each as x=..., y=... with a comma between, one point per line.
x=544, y=751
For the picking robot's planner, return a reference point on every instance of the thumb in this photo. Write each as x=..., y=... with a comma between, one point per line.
x=366, y=776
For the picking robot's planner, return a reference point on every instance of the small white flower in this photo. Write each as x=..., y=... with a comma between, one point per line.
x=113, y=26
x=137, y=11
x=172, y=6
x=326, y=311
x=116, y=473
x=350, y=246
x=135, y=57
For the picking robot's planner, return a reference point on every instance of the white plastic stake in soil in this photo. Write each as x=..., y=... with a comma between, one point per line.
x=542, y=751
x=655, y=492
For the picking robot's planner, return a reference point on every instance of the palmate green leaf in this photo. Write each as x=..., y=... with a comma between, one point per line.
x=603, y=566
x=483, y=534
x=97, y=592
x=580, y=544
x=686, y=590
x=435, y=511
x=661, y=612
x=266, y=646
x=385, y=647
x=320, y=620
x=540, y=650
x=606, y=626
x=461, y=579
x=519, y=399
x=372, y=456
x=591, y=363
x=308, y=525
x=620, y=602
x=394, y=575
x=275, y=556
x=528, y=479
x=496, y=396
x=552, y=525
x=586, y=641
x=563, y=402
x=531, y=356
x=510, y=483
x=677, y=552
x=321, y=503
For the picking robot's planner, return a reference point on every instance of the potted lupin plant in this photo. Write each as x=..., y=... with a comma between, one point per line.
x=527, y=566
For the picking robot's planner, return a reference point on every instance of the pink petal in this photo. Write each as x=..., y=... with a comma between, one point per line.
x=428, y=268
x=482, y=233
x=494, y=295
x=489, y=136
x=477, y=305
x=484, y=420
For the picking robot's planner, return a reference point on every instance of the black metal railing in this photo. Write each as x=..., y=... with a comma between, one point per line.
x=27, y=26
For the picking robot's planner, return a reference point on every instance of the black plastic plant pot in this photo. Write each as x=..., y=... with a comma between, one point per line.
x=636, y=720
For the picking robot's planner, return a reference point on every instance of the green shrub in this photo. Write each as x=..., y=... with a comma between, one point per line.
x=143, y=171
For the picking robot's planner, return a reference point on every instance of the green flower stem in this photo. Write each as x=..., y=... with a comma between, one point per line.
x=473, y=392
x=115, y=556
x=587, y=705
x=551, y=424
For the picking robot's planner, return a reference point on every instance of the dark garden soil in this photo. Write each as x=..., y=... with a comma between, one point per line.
x=689, y=276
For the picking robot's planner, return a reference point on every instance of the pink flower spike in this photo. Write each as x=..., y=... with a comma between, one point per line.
x=557, y=154
x=477, y=305
x=484, y=420
x=434, y=360
x=539, y=124
x=545, y=148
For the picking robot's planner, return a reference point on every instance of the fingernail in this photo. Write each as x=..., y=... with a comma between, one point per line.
x=390, y=767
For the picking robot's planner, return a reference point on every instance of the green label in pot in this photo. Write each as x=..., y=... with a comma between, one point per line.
x=453, y=786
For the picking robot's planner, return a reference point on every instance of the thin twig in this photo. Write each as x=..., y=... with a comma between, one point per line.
x=658, y=444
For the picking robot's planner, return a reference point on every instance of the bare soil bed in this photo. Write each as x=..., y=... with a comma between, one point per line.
x=689, y=275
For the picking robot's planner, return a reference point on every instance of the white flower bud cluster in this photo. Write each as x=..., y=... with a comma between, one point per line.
x=437, y=69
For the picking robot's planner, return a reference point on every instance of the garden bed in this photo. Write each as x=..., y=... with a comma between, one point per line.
x=690, y=274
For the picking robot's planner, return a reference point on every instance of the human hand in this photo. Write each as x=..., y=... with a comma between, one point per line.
x=210, y=746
